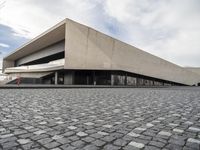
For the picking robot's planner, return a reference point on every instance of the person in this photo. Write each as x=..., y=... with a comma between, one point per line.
x=18, y=80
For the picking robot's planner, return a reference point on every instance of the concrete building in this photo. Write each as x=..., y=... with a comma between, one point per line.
x=72, y=53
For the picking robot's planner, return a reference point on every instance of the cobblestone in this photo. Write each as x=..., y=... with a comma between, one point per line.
x=92, y=119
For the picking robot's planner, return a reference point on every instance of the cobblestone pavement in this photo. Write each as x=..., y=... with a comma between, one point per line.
x=90, y=119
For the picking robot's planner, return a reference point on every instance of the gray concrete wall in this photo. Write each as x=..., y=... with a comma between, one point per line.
x=7, y=64
x=47, y=51
x=194, y=69
x=89, y=49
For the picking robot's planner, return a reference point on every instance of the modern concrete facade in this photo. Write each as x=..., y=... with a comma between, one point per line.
x=72, y=53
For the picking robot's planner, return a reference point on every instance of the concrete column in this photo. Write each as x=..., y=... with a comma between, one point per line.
x=94, y=78
x=112, y=79
x=68, y=77
x=125, y=81
x=56, y=77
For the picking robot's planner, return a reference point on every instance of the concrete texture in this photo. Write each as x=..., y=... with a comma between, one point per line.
x=194, y=69
x=95, y=119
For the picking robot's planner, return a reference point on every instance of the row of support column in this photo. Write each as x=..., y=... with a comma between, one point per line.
x=69, y=78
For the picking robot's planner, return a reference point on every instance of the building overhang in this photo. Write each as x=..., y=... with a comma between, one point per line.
x=51, y=36
x=51, y=66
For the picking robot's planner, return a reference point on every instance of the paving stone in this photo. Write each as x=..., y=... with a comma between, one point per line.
x=120, y=142
x=140, y=129
x=2, y=130
x=194, y=129
x=45, y=141
x=103, y=133
x=193, y=140
x=187, y=148
x=43, y=122
x=81, y=134
x=74, y=138
x=193, y=146
x=88, y=139
x=6, y=136
x=133, y=134
x=164, y=133
x=132, y=121
x=188, y=122
x=89, y=123
x=23, y=141
x=148, y=133
x=151, y=148
x=174, y=147
x=177, y=141
x=70, y=133
x=136, y=144
x=56, y=148
x=96, y=135
x=110, y=147
x=60, y=122
x=39, y=132
x=157, y=144
x=99, y=143
x=72, y=127
x=91, y=147
x=63, y=140
x=149, y=125
x=56, y=137
x=129, y=147
x=4, y=140
x=28, y=146
x=78, y=143
x=173, y=124
x=141, y=141
x=108, y=138
x=107, y=126
x=9, y=145
x=51, y=145
x=38, y=137
x=178, y=130
x=68, y=147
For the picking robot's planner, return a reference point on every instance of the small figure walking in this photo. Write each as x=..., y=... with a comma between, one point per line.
x=18, y=80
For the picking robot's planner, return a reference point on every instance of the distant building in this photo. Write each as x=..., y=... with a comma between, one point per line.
x=74, y=54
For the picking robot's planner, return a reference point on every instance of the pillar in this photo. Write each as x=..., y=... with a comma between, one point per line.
x=112, y=79
x=68, y=77
x=56, y=77
x=125, y=81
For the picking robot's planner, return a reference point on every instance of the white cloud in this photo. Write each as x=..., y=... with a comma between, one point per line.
x=4, y=45
x=169, y=28
x=29, y=18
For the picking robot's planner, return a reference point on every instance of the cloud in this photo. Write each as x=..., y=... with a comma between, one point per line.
x=12, y=42
x=4, y=45
x=169, y=28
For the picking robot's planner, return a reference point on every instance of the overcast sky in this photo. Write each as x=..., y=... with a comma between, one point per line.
x=166, y=28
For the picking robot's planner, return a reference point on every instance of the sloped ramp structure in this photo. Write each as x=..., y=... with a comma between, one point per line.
x=90, y=57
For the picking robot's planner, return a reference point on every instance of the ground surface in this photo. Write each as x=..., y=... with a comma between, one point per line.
x=166, y=118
